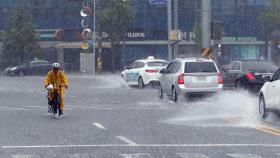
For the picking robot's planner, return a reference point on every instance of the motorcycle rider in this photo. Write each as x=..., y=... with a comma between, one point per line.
x=59, y=80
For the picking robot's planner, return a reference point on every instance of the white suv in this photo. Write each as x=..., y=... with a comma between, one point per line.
x=183, y=77
x=268, y=96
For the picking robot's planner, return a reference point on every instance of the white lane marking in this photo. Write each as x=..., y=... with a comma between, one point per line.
x=192, y=155
x=22, y=156
x=243, y=156
x=23, y=107
x=29, y=106
x=12, y=108
x=126, y=140
x=98, y=125
x=138, y=155
x=142, y=145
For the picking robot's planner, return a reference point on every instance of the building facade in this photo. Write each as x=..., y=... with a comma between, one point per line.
x=147, y=35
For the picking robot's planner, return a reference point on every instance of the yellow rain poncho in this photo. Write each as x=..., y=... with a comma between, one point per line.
x=60, y=81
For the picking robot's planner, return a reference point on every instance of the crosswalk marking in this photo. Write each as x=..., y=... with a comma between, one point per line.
x=23, y=156
x=243, y=156
x=139, y=155
x=192, y=155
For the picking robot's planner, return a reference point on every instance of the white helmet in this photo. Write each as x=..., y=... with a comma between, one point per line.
x=56, y=65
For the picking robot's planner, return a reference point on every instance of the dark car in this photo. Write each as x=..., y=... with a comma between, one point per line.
x=251, y=74
x=37, y=67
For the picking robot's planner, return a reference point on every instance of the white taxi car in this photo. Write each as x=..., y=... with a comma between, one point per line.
x=268, y=96
x=143, y=72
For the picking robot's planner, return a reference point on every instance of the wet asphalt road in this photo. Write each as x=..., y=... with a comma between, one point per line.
x=104, y=118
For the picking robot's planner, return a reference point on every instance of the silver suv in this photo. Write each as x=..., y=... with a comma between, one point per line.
x=183, y=77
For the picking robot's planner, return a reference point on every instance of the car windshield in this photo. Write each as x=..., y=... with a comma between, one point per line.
x=198, y=67
x=157, y=64
x=261, y=66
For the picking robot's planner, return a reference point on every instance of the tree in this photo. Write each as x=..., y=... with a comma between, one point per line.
x=270, y=20
x=20, y=42
x=115, y=19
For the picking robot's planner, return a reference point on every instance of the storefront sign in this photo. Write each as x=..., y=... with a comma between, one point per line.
x=136, y=35
x=158, y=1
x=239, y=39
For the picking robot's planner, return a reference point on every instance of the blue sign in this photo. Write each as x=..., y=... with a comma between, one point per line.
x=158, y=1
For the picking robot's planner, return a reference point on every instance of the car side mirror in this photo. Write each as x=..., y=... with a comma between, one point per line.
x=162, y=71
x=126, y=67
x=267, y=79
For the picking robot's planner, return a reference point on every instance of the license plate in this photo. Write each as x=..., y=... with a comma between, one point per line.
x=201, y=79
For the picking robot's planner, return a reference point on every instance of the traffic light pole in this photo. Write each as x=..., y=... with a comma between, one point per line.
x=206, y=23
x=175, y=12
x=169, y=27
x=93, y=37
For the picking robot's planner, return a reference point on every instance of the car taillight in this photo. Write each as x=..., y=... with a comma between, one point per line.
x=250, y=76
x=152, y=71
x=181, y=79
x=220, y=78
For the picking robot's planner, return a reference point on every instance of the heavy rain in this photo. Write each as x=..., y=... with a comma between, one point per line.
x=139, y=78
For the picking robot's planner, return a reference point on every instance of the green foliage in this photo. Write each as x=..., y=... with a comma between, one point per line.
x=115, y=18
x=20, y=42
x=270, y=19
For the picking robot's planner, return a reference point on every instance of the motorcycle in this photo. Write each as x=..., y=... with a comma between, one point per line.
x=53, y=102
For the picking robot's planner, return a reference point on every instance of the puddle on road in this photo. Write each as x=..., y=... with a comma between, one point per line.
x=230, y=109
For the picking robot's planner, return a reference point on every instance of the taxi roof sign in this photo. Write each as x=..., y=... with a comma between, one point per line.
x=151, y=58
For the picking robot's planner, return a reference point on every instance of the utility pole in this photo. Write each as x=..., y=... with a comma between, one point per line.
x=169, y=27
x=176, y=24
x=206, y=23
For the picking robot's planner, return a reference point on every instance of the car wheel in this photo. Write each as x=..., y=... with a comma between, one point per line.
x=141, y=83
x=174, y=95
x=262, y=107
x=21, y=74
x=160, y=92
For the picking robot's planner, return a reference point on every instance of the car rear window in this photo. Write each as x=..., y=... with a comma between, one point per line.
x=157, y=63
x=261, y=66
x=195, y=67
